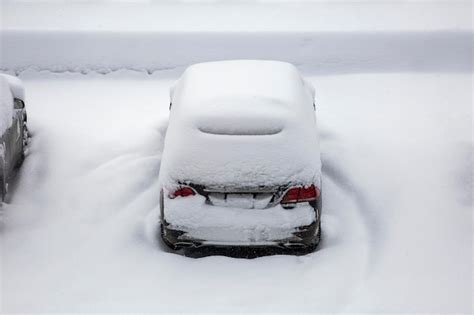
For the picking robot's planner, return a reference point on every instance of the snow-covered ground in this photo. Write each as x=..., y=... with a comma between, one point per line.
x=79, y=232
x=394, y=97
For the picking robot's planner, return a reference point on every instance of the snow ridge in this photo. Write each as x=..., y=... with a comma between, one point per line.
x=318, y=52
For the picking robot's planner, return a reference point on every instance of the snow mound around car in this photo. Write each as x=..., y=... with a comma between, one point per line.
x=243, y=122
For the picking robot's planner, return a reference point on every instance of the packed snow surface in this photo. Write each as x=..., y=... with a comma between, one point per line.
x=241, y=123
x=78, y=234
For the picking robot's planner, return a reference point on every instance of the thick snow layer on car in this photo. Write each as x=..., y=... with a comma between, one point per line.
x=241, y=123
x=16, y=86
x=203, y=82
x=234, y=225
x=80, y=233
x=6, y=105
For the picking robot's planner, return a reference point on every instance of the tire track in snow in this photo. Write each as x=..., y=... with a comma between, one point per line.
x=336, y=172
x=347, y=224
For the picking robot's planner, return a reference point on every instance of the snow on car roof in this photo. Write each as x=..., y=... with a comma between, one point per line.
x=241, y=97
x=6, y=105
x=275, y=80
x=16, y=86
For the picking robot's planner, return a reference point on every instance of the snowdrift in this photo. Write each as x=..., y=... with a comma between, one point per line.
x=397, y=218
x=318, y=52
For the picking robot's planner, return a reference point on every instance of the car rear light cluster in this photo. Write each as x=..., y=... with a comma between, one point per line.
x=300, y=194
x=292, y=196
x=182, y=191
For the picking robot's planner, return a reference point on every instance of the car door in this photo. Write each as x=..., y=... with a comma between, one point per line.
x=7, y=161
x=17, y=131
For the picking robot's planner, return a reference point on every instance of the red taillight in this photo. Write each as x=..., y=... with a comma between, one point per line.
x=182, y=191
x=301, y=194
x=291, y=195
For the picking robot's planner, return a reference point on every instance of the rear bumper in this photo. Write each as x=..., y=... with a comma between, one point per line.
x=187, y=224
x=303, y=237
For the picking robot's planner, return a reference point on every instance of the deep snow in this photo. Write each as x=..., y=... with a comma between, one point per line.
x=78, y=234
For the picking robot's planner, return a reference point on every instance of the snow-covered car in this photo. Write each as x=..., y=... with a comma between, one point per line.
x=13, y=129
x=241, y=163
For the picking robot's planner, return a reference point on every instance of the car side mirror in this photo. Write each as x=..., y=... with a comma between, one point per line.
x=18, y=104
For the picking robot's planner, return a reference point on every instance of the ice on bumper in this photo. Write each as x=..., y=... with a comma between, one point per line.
x=227, y=225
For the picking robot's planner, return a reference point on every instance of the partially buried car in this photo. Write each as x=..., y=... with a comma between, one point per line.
x=13, y=129
x=241, y=163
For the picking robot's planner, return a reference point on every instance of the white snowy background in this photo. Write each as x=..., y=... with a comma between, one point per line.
x=394, y=102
